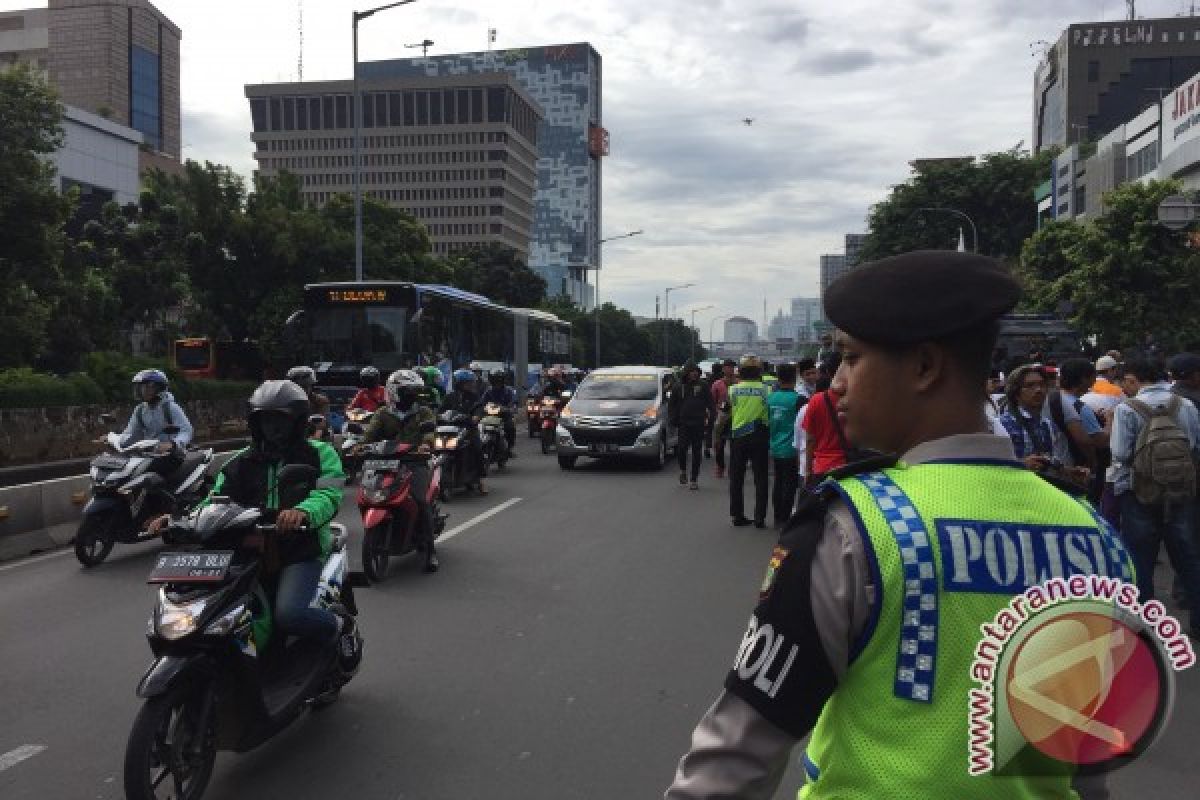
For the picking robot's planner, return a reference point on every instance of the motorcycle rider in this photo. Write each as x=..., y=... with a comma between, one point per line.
x=554, y=384
x=306, y=379
x=432, y=396
x=155, y=412
x=464, y=398
x=277, y=413
x=401, y=420
x=372, y=396
x=503, y=395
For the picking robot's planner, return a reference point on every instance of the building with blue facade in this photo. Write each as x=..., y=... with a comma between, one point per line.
x=565, y=80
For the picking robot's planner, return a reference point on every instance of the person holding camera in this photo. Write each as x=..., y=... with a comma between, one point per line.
x=1035, y=439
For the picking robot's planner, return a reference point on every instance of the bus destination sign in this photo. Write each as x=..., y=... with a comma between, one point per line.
x=357, y=295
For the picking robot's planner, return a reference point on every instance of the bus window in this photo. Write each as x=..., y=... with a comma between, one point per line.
x=385, y=331
x=370, y=335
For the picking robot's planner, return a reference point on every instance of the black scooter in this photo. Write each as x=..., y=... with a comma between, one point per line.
x=132, y=485
x=221, y=680
x=452, y=441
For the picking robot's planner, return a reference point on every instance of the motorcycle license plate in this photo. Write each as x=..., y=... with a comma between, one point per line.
x=605, y=448
x=108, y=462
x=381, y=465
x=207, y=566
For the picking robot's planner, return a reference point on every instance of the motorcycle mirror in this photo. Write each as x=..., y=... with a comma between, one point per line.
x=171, y=430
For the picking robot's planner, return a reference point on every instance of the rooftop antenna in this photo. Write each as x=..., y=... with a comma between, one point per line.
x=1132, y=9
x=424, y=45
x=300, y=27
x=491, y=38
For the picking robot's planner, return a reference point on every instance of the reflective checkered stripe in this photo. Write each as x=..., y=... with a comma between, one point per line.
x=897, y=724
x=916, y=655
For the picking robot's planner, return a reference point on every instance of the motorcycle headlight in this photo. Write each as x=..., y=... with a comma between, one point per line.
x=174, y=621
x=225, y=624
x=449, y=443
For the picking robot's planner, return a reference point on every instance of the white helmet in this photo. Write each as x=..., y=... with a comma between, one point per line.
x=404, y=381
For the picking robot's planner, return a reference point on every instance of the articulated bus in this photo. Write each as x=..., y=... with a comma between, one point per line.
x=393, y=325
x=201, y=357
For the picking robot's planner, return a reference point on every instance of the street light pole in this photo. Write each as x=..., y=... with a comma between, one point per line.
x=596, y=299
x=355, y=16
x=971, y=222
x=666, y=320
x=695, y=333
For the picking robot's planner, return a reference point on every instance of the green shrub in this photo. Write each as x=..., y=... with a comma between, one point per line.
x=24, y=388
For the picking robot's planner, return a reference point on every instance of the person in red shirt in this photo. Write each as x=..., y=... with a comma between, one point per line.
x=720, y=395
x=826, y=442
x=373, y=395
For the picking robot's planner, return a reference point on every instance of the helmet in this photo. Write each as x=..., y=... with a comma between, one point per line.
x=370, y=377
x=271, y=401
x=464, y=376
x=304, y=377
x=155, y=376
x=752, y=362
x=497, y=377
x=404, y=382
x=433, y=376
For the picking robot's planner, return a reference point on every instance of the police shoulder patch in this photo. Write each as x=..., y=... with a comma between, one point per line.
x=777, y=556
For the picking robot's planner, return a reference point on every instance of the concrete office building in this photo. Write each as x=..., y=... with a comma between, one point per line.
x=740, y=331
x=118, y=59
x=100, y=158
x=1097, y=75
x=565, y=81
x=457, y=151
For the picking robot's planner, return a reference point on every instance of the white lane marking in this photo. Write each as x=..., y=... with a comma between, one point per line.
x=14, y=757
x=455, y=531
x=35, y=559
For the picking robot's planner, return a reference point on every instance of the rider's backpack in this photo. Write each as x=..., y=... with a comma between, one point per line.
x=1163, y=470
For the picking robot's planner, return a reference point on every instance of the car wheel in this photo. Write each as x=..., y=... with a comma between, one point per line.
x=660, y=458
x=567, y=462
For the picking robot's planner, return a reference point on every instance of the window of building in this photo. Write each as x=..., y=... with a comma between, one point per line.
x=144, y=104
x=422, y=108
x=258, y=114
x=327, y=116
x=1093, y=74
x=368, y=117
x=276, y=114
x=496, y=97
x=477, y=106
x=289, y=113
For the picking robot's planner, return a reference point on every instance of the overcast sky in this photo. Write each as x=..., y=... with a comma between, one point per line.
x=843, y=93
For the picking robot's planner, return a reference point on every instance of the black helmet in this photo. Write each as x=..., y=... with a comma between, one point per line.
x=497, y=377
x=370, y=377
x=277, y=399
x=304, y=377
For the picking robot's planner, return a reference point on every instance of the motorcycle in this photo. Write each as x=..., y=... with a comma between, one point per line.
x=491, y=429
x=453, y=443
x=391, y=514
x=132, y=485
x=353, y=431
x=548, y=413
x=533, y=415
x=220, y=679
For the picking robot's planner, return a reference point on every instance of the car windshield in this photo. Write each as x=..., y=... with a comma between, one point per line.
x=619, y=387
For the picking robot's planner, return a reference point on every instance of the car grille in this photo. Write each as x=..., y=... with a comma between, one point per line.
x=604, y=422
x=586, y=431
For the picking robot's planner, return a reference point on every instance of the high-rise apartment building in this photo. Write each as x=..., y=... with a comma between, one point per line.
x=456, y=151
x=833, y=266
x=854, y=246
x=1097, y=75
x=807, y=312
x=565, y=81
x=118, y=59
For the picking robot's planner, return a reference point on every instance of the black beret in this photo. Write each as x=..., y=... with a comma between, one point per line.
x=919, y=296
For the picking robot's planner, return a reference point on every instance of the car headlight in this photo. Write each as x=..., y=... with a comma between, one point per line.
x=650, y=435
x=177, y=621
x=228, y=622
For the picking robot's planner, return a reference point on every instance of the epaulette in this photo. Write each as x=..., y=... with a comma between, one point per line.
x=871, y=463
x=810, y=510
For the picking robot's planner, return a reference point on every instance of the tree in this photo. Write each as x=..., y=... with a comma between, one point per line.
x=396, y=247
x=32, y=213
x=498, y=273
x=682, y=342
x=1123, y=275
x=995, y=191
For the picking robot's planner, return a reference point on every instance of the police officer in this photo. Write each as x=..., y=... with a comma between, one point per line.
x=750, y=441
x=870, y=614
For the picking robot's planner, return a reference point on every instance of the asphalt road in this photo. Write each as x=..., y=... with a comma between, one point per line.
x=565, y=650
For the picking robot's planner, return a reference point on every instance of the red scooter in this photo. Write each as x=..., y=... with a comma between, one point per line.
x=391, y=515
x=548, y=413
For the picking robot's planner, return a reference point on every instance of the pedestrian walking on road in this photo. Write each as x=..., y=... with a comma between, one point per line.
x=749, y=442
x=870, y=614
x=715, y=374
x=783, y=404
x=720, y=395
x=690, y=408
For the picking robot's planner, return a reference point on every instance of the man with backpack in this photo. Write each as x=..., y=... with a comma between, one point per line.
x=1155, y=446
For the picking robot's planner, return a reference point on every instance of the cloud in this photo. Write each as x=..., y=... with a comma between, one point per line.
x=838, y=62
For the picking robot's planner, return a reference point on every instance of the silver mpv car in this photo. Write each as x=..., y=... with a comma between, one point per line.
x=619, y=412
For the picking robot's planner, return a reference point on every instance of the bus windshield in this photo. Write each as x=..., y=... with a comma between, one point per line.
x=360, y=335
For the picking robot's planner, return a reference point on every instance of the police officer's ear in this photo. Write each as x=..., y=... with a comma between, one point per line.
x=930, y=362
